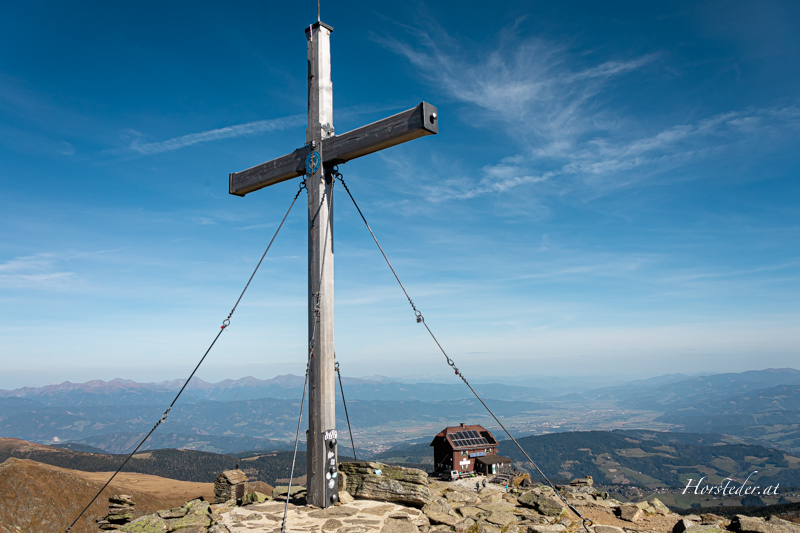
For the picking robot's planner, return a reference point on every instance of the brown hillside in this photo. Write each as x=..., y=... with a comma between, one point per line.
x=9, y=445
x=44, y=498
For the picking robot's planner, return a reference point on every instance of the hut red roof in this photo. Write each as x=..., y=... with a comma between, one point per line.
x=466, y=436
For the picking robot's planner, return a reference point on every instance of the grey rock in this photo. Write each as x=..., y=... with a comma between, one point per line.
x=439, y=512
x=392, y=525
x=422, y=522
x=197, y=507
x=547, y=528
x=176, y=512
x=697, y=528
x=282, y=490
x=604, y=504
x=683, y=524
x=464, y=525
x=599, y=528
x=378, y=510
x=468, y=511
x=548, y=506
x=254, y=497
x=394, y=484
x=334, y=512
x=187, y=521
x=631, y=513
x=535, y=519
x=497, y=506
x=500, y=518
x=120, y=506
x=118, y=518
x=783, y=526
x=122, y=499
x=485, y=527
x=749, y=524
x=146, y=524
x=192, y=529
x=714, y=520
x=413, y=516
x=331, y=524
x=461, y=496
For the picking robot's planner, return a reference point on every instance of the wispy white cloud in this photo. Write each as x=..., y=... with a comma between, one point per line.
x=255, y=226
x=38, y=271
x=563, y=125
x=529, y=84
x=228, y=132
x=603, y=164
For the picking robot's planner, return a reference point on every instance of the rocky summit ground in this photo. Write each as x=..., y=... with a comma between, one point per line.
x=385, y=499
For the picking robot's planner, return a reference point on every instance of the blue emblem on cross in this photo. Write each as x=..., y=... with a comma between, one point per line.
x=312, y=162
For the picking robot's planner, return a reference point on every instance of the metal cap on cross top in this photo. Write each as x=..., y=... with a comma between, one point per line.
x=321, y=152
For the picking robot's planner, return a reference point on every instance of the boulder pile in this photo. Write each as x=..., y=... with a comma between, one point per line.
x=385, y=499
x=120, y=512
x=196, y=516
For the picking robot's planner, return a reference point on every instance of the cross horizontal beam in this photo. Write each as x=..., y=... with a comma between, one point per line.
x=416, y=122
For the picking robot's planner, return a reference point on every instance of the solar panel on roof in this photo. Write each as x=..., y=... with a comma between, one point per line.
x=469, y=437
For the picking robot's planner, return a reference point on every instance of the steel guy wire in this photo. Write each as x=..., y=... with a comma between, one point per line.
x=420, y=319
x=344, y=402
x=225, y=324
x=296, y=441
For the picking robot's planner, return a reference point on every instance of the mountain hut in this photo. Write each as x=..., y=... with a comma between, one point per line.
x=467, y=449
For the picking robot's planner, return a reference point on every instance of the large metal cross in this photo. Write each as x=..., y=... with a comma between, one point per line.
x=315, y=160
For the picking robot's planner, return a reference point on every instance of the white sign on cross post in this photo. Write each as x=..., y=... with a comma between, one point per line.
x=315, y=160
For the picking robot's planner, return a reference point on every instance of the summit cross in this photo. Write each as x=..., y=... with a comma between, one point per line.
x=322, y=151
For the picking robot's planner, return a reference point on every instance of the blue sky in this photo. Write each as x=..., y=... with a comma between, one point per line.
x=613, y=190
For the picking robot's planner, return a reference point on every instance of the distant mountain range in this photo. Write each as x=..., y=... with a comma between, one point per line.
x=289, y=387
x=234, y=415
x=266, y=418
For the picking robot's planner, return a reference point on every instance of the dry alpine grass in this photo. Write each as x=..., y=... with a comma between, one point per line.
x=39, y=497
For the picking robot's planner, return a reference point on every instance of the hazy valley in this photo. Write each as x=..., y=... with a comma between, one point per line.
x=637, y=439
x=760, y=407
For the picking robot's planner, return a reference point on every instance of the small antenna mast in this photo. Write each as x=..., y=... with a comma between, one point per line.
x=318, y=19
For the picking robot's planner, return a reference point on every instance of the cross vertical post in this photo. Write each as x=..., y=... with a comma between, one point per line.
x=322, y=151
x=319, y=182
